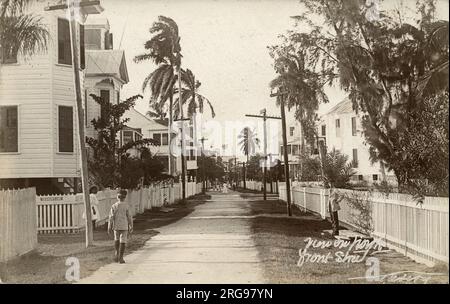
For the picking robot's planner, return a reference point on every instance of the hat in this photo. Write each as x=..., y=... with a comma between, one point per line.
x=122, y=192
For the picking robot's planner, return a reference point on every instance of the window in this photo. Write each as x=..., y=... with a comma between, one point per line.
x=282, y=150
x=375, y=177
x=65, y=128
x=9, y=135
x=355, y=158
x=118, y=97
x=291, y=131
x=360, y=177
x=324, y=130
x=127, y=137
x=104, y=94
x=92, y=39
x=8, y=54
x=165, y=139
x=353, y=126
x=108, y=41
x=82, y=48
x=191, y=151
x=289, y=151
x=157, y=137
x=64, y=45
x=338, y=128
x=295, y=149
x=137, y=136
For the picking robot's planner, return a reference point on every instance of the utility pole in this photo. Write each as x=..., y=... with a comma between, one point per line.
x=203, y=165
x=235, y=173
x=264, y=117
x=80, y=114
x=183, y=164
x=285, y=156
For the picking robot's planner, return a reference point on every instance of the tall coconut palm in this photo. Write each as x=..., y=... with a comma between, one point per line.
x=190, y=95
x=163, y=49
x=156, y=111
x=20, y=32
x=248, y=142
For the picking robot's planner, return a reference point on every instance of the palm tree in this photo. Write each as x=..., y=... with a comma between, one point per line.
x=156, y=111
x=248, y=142
x=20, y=32
x=190, y=95
x=163, y=49
x=302, y=94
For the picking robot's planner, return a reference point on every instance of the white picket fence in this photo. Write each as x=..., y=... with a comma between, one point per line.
x=65, y=213
x=18, y=231
x=258, y=186
x=420, y=231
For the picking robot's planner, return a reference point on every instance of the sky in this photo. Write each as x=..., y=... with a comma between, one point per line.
x=224, y=42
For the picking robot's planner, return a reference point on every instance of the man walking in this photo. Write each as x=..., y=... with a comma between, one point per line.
x=121, y=222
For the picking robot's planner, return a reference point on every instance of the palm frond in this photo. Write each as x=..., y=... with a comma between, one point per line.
x=25, y=34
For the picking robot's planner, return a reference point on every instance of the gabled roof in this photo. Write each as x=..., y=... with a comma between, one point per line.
x=164, y=122
x=345, y=106
x=107, y=62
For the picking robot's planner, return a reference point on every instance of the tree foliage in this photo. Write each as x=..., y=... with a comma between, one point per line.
x=21, y=32
x=391, y=70
x=110, y=165
x=248, y=140
x=190, y=95
x=214, y=168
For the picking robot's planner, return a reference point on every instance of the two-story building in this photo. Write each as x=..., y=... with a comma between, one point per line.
x=38, y=126
x=148, y=127
x=341, y=129
x=294, y=146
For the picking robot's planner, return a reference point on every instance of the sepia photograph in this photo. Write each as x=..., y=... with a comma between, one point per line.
x=218, y=142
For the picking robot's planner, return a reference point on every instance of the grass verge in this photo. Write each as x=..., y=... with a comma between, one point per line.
x=278, y=242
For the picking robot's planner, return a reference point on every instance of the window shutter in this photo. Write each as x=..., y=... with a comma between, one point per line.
x=355, y=158
x=64, y=45
x=157, y=137
x=104, y=94
x=65, y=123
x=82, y=48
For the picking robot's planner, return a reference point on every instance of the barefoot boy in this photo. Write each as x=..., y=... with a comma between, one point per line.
x=121, y=222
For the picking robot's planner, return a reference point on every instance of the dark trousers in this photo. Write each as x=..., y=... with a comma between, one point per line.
x=335, y=222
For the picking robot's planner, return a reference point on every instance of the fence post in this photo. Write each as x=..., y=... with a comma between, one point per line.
x=304, y=198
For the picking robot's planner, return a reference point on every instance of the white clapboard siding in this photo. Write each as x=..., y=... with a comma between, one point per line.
x=18, y=231
x=420, y=231
x=65, y=213
x=38, y=85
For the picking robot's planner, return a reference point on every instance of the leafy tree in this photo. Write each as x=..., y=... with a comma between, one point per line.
x=214, y=168
x=109, y=163
x=20, y=32
x=253, y=168
x=311, y=168
x=388, y=66
x=337, y=169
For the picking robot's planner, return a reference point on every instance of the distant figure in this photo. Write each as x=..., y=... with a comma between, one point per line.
x=334, y=207
x=94, y=206
x=225, y=188
x=121, y=222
